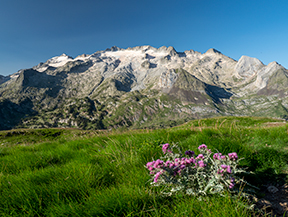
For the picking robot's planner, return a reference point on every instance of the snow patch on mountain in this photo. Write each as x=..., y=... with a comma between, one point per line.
x=56, y=61
x=59, y=60
x=148, y=65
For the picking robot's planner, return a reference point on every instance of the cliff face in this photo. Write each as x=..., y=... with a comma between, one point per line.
x=140, y=87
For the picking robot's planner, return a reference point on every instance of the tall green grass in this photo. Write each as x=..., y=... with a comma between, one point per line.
x=84, y=173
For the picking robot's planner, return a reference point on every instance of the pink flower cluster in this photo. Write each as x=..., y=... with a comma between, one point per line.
x=200, y=156
x=165, y=148
x=171, y=164
x=233, y=156
x=157, y=176
x=200, y=164
x=232, y=184
x=177, y=165
x=154, y=164
x=204, y=147
x=225, y=168
x=219, y=156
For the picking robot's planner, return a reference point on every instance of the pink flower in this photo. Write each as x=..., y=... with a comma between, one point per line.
x=183, y=162
x=233, y=156
x=157, y=176
x=186, y=161
x=150, y=165
x=225, y=167
x=228, y=169
x=158, y=164
x=167, y=163
x=203, y=146
x=165, y=147
x=182, y=167
x=216, y=156
x=232, y=184
x=171, y=165
x=200, y=156
x=191, y=160
x=219, y=156
x=201, y=163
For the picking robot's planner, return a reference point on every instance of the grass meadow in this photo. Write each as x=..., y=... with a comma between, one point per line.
x=69, y=172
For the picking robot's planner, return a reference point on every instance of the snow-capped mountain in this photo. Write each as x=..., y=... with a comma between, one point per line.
x=141, y=87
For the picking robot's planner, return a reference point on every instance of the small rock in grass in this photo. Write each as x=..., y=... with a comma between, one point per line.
x=272, y=189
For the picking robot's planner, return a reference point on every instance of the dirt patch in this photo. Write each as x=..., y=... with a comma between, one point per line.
x=275, y=201
x=274, y=124
x=268, y=92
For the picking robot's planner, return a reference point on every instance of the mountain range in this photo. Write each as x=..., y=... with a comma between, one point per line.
x=141, y=87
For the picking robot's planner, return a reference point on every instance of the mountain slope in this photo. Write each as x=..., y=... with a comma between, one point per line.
x=140, y=87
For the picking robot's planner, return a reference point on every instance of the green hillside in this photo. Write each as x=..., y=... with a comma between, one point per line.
x=70, y=172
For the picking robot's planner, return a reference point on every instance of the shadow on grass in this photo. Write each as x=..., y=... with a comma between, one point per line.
x=268, y=167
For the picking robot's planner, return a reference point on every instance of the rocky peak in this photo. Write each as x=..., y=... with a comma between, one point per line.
x=59, y=60
x=191, y=52
x=248, y=66
x=146, y=48
x=82, y=56
x=212, y=51
x=172, y=51
x=64, y=55
x=275, y=65
x=114, y=48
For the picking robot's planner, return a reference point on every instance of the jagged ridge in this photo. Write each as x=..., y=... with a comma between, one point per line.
x=141, y=87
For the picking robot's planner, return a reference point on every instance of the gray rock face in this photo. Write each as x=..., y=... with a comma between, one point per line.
x=248, y=66
x=188, y=84
x=167, y=79
x=3, y=79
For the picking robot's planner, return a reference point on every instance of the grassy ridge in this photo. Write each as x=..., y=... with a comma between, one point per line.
x=54, y=172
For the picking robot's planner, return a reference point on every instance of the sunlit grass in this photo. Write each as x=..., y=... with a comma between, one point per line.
x=86, y=173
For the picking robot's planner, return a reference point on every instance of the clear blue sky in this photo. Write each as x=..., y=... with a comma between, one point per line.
x=33, y=31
